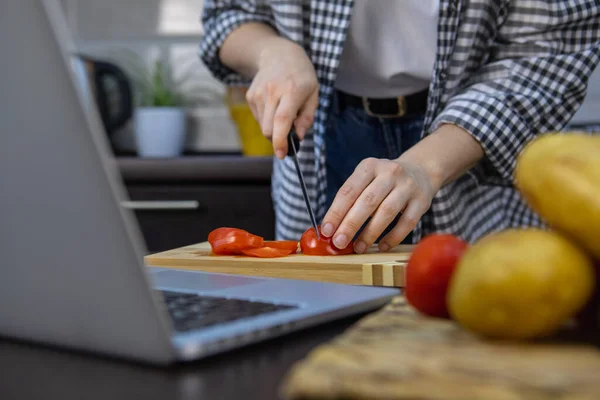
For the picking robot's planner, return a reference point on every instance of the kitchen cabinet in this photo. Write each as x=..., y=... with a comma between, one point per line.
x=178, y=202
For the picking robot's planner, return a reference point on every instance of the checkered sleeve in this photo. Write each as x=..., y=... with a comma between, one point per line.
x=219, y=19
x=534, y=82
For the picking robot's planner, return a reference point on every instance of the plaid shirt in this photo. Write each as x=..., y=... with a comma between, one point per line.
x=505, y=71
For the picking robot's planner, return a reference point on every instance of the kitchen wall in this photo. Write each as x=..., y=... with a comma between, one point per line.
x=589, y=113
x=169, y=30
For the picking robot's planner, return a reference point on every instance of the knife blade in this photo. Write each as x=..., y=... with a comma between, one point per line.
x=293, y=145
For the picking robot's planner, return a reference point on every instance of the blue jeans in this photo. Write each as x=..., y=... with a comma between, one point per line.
x=352, y=135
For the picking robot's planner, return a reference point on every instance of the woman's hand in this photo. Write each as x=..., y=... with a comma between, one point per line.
x=381, y=189
x=284, y=91
x=384, y=188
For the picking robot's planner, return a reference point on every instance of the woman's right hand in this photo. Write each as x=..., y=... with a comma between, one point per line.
x=284, y=91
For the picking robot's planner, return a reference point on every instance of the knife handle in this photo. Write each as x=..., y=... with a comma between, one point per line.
x=292, y=136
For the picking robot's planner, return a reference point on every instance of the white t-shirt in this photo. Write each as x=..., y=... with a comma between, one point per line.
x=390, y=48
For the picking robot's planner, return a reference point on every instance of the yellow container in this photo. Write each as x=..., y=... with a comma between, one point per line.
x=251, y=137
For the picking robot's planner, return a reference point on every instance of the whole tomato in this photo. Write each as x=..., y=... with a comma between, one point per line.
x=310, y=244
x=429, y=271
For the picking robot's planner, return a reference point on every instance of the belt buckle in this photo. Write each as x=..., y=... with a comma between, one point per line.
x=401, y=108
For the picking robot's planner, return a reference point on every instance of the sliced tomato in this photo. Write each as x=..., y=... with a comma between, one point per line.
x=267, y=252
x=220, y=233
x=234, y=244
x=310, y=244
x=283, y=244
x=230, y=241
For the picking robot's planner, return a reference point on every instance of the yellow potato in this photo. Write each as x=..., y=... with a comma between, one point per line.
x=520, y=284
x=559, y=177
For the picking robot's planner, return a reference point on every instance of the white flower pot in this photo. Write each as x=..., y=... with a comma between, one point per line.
x=160, y=131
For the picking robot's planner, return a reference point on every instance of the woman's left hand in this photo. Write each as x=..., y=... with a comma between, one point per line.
x=380, y=189
x=384, y=188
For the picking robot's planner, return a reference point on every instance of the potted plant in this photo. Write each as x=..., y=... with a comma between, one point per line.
x=160, y=119
x=163, y=98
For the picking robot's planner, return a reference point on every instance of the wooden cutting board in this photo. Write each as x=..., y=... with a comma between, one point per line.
x=371, y=268
x=398, y=354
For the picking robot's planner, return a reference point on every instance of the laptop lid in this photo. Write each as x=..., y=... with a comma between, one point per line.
x=71, y=256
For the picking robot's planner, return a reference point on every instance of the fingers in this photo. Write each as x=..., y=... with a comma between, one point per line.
x=266, y=122
x=263, y=101
x=385, y=214
x=409, y=219
x=362, y=177
x=306, y=116
x=361, y=210
x=286, y=113
x=276, y=106
x=380, y=189
x=282, y=123
x=254, y=98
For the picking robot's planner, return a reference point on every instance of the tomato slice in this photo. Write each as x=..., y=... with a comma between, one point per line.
x=267, y=252
x=233, y=241
x=220, y=233
x=310, y=244
x=283, y=244
x=234, y=244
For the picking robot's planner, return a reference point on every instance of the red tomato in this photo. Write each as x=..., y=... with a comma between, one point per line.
x=429, y=271
x=235, y=243
x=283, y=244
x=267, y=252
x=220, y=233
x=311, y=245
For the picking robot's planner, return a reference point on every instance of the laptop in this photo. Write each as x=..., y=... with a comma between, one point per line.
x=72, y=255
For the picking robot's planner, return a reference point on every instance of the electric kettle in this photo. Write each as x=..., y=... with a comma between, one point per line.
x=106, y=87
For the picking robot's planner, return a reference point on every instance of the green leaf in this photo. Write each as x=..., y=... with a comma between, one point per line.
x=154, y=83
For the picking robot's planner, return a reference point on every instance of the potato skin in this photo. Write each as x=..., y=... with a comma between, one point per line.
x=558, y=175
x=520, y=284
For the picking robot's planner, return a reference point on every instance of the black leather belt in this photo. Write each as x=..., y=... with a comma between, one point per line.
x=394, y=107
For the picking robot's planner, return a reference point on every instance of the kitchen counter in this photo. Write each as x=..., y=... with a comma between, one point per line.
x=197, y=168
x=32, y=372
x=179, y=201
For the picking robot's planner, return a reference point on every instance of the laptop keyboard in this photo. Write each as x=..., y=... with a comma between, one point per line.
x=191, y=311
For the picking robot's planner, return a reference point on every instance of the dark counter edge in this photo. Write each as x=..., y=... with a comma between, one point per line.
x=213, y=168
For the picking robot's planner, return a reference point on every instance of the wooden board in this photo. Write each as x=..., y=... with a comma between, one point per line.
x=398, y=354
x=371, y=268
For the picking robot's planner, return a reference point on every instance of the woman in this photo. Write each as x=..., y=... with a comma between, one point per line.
x=416, y=109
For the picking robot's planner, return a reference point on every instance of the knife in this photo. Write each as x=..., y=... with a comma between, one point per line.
x=293, y=146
